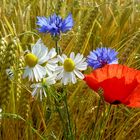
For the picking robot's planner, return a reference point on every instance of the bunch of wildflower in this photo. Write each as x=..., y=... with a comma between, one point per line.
x=44, y=68
x=120, y=84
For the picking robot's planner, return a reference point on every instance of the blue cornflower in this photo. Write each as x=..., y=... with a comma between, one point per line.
x=101, y=57
x=55, y=24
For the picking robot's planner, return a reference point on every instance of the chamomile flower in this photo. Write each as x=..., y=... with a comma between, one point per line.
x=35, y=60
x=39, y=89
x=71, y=68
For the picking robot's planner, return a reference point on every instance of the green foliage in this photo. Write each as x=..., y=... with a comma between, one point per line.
x=80, y=115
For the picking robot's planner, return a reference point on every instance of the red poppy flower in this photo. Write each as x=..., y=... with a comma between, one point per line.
x=120, y=84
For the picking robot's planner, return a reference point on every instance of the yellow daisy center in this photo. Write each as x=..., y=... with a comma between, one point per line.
x=31, y=60
x=69, y=65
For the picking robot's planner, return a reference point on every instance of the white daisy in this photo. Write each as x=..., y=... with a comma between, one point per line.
x=40, y=88
x=71, y=67
x=35, y=60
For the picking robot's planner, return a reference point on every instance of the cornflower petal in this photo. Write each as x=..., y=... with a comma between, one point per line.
x=67, y=23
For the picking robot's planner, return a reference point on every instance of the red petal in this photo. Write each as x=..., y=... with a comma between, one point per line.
x=134, y=99
x=117, y=81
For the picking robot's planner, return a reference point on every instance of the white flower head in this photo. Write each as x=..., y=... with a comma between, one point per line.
x=39, y=89
x=71, y=68
x=35, y=60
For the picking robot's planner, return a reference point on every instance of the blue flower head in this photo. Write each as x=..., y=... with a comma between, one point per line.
x=54, y=24
x=101, y=57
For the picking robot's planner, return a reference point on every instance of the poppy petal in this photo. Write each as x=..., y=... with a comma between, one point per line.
x=134, y=99
x=117, y=81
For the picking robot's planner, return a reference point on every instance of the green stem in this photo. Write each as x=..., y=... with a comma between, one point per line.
x=57, y=47
x=61, y=118
x=68, y=118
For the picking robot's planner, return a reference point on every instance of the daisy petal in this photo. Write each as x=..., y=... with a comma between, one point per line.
x=60, y=75
x=61, y=59
x=73, y=78
x=34, y=91
x=26, y=72
x=42, y=70
x=58, y=69
x=64, y=56
x=66, y=78
x=51, y=67
x=52, y=53
x=79, y=74
x=44, y=92
x=31, y=76
x=36, y=74
x=72, y=55
x=78, y=58
x=82, y=66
